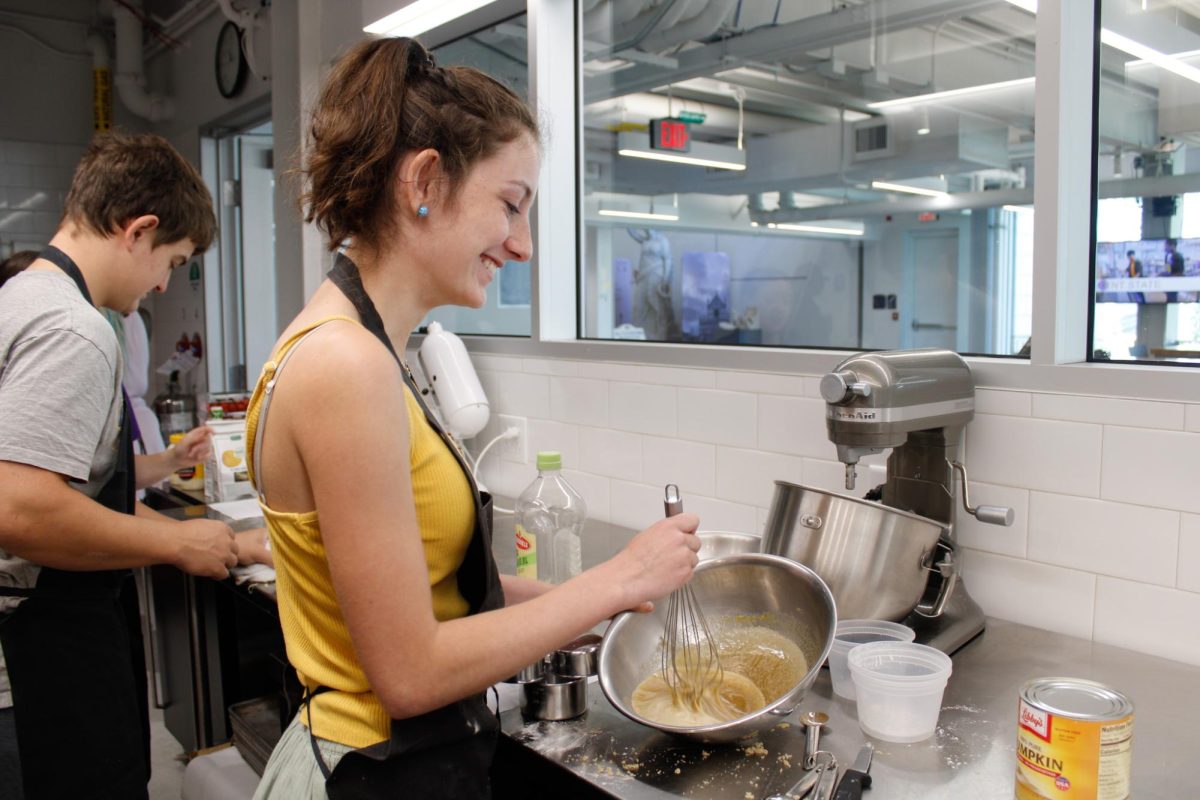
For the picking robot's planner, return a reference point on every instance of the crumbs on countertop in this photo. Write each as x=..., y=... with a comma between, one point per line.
x=756, y=749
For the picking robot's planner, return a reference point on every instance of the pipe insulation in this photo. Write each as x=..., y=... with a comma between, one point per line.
x=102, y=110
x=130, y=78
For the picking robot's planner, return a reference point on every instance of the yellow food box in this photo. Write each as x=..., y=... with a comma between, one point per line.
x=225, y=474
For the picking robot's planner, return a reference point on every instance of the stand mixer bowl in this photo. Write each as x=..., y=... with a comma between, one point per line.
x=875, y=559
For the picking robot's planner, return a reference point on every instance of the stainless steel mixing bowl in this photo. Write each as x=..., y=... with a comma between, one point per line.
x=717, y=544
x=770, y=591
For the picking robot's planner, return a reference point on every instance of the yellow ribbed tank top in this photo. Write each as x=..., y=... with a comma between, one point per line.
x=314, y=631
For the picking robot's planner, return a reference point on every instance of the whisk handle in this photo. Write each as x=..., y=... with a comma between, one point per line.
x=672, y=501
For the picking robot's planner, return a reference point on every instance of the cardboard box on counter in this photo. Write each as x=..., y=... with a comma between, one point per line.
x=225, y=474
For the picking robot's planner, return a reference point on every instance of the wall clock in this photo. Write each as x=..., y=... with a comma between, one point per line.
x=230, y=60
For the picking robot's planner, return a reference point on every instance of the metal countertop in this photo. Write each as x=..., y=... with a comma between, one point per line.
x=972, y=756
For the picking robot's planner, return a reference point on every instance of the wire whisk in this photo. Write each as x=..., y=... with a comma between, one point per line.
x=691, y=661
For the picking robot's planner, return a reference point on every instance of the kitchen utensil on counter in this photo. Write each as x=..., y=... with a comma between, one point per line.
x=850, y=634
x=555, y=688
x=691, y=662
x=553, y=697
x=899, y=687
x=715, y=544
x=577, y=659
x=857, y=776
x=813, y=722
x=875, y=559
x=774, y=592
x=804, y=787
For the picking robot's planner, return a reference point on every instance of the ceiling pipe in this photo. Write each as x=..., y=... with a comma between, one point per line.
x=130, y=77
x=699, y=26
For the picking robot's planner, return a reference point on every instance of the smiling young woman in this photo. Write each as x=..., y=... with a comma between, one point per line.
x=395, y=616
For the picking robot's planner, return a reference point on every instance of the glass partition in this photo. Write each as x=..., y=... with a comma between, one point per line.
x=502, y=52
x=787, y=174
x=1146, y=275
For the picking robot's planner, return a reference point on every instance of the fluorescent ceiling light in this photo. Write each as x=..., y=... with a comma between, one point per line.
x=703, y=154
x=1139, y=50
x=837, y=231
x=420, y=16
x=1019, y=209
x=611, y=212
x=1133, y=48
x=901, y=187
x=949, y=93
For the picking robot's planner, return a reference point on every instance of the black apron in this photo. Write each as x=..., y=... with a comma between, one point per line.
x=75, y=658
x=445, y=753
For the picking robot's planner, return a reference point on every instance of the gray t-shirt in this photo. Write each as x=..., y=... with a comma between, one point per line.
x=60, y=395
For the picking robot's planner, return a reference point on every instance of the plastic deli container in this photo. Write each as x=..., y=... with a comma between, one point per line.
x=899, y=686
x=850, y=634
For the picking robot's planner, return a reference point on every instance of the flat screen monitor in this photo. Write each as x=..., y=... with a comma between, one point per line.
x=1148, y=271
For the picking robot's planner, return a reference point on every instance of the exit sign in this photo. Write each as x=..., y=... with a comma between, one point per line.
x=927, y=216
x=670, y=134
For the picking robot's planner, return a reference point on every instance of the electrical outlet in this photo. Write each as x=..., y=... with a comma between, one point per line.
x=513, y=449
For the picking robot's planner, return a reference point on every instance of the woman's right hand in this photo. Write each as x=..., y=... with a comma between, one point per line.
x=657, y=561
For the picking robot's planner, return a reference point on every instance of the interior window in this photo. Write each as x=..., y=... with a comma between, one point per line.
x=791, y=174
x=502, y=52
x=1147, y=260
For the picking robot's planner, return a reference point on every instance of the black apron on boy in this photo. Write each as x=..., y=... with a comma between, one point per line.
x=445, y=753
x=73, y=649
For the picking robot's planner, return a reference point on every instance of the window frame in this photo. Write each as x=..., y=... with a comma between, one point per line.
x=1064, y=231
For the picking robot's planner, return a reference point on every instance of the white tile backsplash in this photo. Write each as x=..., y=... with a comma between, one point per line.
x=692, y=466
x=635, y=505
x=793, y=425
x=717, y=417
x=1053, y=598
x=616, y=454
x=996, y=401
x=761, y=383
x=517, y=393
x=748, y=476
x=1126, y=541
x=1046, y=455
x=1109, y=411
x=1153, y=468
x=545, y=434
x=1188, y=575
x=643, y=408
x=1106, y=491
x=580, y=400
x=1152, y=619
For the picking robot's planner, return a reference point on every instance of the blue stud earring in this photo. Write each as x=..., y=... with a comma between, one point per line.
x=423, y=211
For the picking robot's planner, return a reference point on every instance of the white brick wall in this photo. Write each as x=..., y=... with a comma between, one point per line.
x=1106, y=491
x=34, y=179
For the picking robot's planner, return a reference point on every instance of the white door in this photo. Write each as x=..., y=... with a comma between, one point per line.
x=256, y=158
x=930, y=315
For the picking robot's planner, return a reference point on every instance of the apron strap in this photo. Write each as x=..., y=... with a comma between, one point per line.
x=306, y=701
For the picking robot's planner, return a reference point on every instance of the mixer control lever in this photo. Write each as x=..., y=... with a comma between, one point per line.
x=993, y=515
x=842, y=387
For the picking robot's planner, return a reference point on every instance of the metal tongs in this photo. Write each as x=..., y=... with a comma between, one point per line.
x=817, y=783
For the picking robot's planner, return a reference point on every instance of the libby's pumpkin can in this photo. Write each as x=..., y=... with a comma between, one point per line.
x=1074, y=741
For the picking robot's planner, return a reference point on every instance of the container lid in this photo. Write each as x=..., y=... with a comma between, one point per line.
x=1078, y=698
x=549, y=459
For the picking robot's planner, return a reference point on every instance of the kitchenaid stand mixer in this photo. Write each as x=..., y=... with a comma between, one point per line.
x=917, y=403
